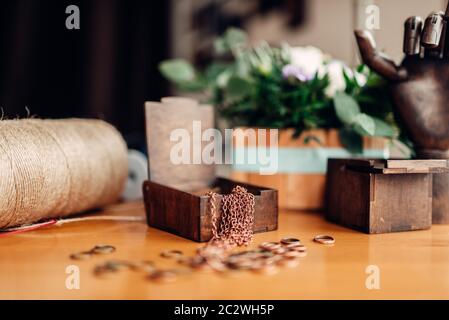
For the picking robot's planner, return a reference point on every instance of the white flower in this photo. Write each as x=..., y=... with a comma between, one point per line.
x=334, y=70
x=309, y=59
x=337, y=82
x=360, y=78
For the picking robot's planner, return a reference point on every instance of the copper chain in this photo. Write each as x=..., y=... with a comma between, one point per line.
x=237, y=217
x=234, y=227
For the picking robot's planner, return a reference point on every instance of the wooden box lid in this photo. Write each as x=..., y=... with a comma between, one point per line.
x=394, y=166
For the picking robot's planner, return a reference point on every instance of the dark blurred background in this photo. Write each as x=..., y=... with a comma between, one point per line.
x=105, y=70
x=108, y=68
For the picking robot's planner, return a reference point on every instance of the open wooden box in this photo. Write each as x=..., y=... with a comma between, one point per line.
x=188, y=214
x=378, y=196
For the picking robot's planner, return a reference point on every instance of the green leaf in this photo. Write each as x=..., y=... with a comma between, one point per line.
x=214, y=70
x=310, y=123
x=383, y=129
x=231, y=39
x=374, y=80
x=177, y=70
x=311, y=138
x=350, y=83
x=222, y=79
x=296, y=115
x=220, y=46
x=235, y=37
x=364, y=125
x=238, y=87
x=193, y=86
x=351, y=141
x=361, y=68
x=346, y=107
x=242, y=107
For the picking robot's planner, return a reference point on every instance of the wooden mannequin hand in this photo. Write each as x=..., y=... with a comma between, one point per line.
x=420, y=92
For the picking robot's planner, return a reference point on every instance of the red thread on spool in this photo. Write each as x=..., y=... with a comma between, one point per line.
x=28, y=228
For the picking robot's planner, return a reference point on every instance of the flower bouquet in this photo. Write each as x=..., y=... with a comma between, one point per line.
x=326, y=108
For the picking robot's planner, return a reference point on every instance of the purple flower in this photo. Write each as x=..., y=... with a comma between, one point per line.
x=292, y=71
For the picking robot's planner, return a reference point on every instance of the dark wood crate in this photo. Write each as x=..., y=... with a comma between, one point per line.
x=379, y=196
x=188, y=214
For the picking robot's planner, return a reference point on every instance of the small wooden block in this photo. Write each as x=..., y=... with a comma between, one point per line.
x=187, y=214
x=378, y=196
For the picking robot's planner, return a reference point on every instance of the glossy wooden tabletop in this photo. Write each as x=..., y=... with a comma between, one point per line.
x=410, y=264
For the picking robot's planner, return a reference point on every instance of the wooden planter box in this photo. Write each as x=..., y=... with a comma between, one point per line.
x=301, y=178
x=379, y=196
x=188, y=214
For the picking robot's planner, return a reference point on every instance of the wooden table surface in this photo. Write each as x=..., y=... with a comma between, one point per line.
x=411, y=264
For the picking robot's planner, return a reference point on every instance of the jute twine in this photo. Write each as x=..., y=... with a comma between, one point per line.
x=54, y=168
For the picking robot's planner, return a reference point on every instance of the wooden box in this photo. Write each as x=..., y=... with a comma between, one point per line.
x=188, y=214
x=379, y=196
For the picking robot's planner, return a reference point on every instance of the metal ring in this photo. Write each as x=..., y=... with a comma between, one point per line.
x=290, y=241
x=171, y=254
x=102, y=249
x=270, y=245
x=323, y=239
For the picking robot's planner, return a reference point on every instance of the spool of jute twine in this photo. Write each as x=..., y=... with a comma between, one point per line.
x=54, y=168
